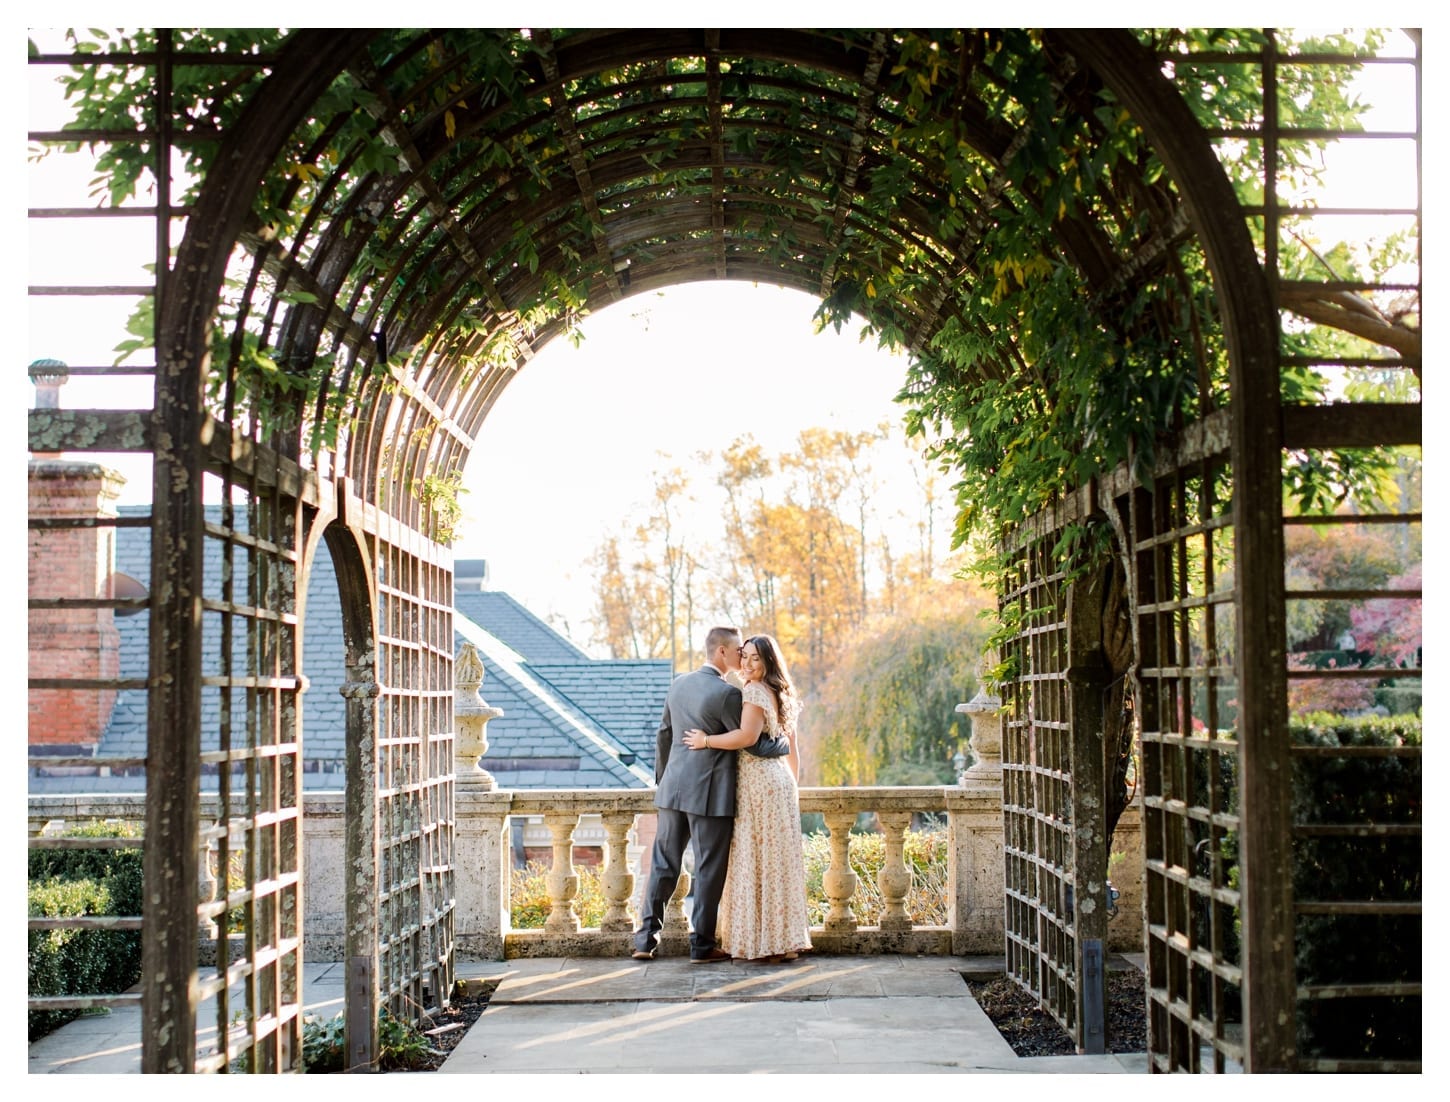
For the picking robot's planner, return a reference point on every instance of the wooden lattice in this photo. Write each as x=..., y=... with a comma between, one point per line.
x=656, y=157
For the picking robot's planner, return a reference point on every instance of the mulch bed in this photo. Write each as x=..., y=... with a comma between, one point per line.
x=454, y=1021
x=1033, y=1032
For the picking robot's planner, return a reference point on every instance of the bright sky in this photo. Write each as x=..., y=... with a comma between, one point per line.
x=568, y=452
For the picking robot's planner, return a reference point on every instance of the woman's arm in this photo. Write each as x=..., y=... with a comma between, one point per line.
x=793, y=760
x=752, y=722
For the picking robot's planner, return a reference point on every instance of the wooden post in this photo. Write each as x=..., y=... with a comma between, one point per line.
x=360, y=848
x=1088, y=676
x=173, y=703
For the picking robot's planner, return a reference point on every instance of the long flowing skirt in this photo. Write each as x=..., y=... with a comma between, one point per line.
x=763, y=910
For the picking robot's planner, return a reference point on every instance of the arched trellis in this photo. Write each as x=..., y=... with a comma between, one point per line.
x=472, y=190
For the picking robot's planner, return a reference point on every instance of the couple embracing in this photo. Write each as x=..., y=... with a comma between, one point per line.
x=725, y=771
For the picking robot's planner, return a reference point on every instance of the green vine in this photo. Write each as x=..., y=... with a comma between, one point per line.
x=439, y=497
x=1026, y=385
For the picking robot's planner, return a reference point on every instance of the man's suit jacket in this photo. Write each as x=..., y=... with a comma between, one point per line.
x=701, y=782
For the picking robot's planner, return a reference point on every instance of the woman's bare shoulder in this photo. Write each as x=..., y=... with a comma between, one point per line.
x=756, y=693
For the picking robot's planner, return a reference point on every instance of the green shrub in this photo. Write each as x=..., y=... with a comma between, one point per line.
x=65, y=883
x=529, y=896
x=74, y=962
x=401, y=1047
x=118, y=869
x=926, y=853
x=322, y=1043
x=1383, y=867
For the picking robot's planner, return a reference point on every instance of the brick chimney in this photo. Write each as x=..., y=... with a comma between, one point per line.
x=70, y=562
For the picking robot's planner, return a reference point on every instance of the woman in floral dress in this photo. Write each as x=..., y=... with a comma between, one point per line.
x=763, y=911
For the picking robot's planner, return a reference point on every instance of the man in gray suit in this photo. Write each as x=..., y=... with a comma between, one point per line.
x=695, y=795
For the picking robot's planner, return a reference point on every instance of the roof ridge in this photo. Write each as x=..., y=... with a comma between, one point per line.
x=545, y=625
x=499, y=653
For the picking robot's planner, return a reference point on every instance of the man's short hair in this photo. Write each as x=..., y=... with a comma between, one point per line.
x=720, y=636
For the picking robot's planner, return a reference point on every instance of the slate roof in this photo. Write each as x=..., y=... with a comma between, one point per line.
x=613, y=694
x=569, y=722
x=543, y=740
x=516, y=626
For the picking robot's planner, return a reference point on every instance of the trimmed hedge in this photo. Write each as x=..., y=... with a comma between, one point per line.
x=64, y=883
x=1334, y=949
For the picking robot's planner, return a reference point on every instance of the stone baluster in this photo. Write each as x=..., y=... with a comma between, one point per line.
x=676, y=921
x=618, y=880
x=839, y=881
x=894, y=879
x=562, y=881
x=206, y=889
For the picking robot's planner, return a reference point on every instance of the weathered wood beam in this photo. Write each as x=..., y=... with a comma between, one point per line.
x=865, y=115
x=386, y=111
x=90, y=430
x=564, y=121
x=1353, y=425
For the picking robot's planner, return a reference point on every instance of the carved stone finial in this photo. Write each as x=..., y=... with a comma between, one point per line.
x=470, y=718
x=467, y=670
x=985, y=711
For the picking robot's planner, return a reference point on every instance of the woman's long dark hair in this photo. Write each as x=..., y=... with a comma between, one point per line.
x=777, y=677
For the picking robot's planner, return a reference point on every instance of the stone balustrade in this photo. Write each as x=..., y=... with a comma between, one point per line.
x=482, y=859
x=622, y=820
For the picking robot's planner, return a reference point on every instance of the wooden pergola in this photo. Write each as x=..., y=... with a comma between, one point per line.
x=380, y=228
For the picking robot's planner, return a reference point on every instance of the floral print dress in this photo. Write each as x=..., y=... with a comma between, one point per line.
x=763, y=910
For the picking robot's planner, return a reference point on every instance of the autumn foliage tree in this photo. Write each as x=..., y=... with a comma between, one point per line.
x=1378, y=632
x=882, y=642
x=790, y=544
x=887, y=713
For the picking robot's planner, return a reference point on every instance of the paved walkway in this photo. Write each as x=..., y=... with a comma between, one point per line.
x=889, y=1014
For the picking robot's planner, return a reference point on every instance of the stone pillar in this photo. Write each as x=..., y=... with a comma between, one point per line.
x=1126, y=929
x=324, y=862
x=618, y=881
x=72, y=642
x=676, y=926
x=481, y=865
x=562, y=881
x=977, y=911
x=206, y=892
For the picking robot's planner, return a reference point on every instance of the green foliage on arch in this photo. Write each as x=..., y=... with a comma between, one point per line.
x=1009, y=223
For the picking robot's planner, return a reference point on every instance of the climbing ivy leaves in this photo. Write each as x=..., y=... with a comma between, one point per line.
x=457, y=196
